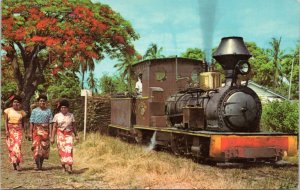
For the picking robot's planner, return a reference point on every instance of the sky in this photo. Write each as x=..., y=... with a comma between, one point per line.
x=177, y=25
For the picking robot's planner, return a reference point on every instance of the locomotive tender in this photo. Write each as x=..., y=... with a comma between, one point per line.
x=190, y=112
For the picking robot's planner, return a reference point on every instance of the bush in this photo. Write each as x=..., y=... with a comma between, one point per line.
x=280, y=117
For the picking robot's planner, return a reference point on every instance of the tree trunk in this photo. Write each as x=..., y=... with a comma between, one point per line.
x=26, y=95
x=27, y=86
x=276, y=76
x=276, y=50
x=32, y=75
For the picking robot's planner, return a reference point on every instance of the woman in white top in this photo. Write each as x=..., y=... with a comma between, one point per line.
x=64, y=127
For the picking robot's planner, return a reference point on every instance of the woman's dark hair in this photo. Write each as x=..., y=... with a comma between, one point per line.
x=16, y=97
x=63, y=102
x=42, y=96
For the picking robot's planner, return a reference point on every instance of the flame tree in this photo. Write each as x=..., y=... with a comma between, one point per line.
x=42, y=37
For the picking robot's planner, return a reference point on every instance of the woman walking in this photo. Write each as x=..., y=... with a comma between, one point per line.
x=64, y=127
x=14, y=124
x=40, y=131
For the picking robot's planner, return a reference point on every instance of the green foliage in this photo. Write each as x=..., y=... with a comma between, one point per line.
x=8, y=82
x=92, y=82
x=7, y=87
x=107, y=84
x=153, y=52
x=266, y=64
x=87, y=64
x=194, y=53
x=65, y=85
x=113, y=84
x=125, y=68
x=260, y=64
x=276, y=56
x=290, y=70
x=280, y=116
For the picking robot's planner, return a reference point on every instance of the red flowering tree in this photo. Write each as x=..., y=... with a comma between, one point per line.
x=44, y=36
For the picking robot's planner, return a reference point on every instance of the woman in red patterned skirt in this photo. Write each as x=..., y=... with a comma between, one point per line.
x=14, y=124
x=40, y=131
x=64, y=127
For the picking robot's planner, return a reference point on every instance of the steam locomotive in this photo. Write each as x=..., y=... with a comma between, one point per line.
x=188, y=110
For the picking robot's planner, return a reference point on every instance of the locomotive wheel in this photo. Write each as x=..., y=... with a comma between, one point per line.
x=178, y=145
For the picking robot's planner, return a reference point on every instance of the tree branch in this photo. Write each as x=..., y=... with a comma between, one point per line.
x=35, y=51
x=23, y=54
x=17, y=73
x=16, y=69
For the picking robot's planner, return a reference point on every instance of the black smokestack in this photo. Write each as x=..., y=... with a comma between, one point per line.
x=230, y=51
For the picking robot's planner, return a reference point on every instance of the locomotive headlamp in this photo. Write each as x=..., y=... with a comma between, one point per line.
x=243, y=67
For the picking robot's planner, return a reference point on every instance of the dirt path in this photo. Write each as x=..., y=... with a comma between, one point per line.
x=51, y=177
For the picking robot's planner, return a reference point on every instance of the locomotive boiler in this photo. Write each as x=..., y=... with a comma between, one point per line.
x=188, y=109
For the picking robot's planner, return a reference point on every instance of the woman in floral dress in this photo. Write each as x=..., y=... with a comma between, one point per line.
x=40, y=130
x=14, y=126
x=64, y=127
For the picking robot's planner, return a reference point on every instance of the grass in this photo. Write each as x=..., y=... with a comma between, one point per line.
x=292, y=159
x=124, y=165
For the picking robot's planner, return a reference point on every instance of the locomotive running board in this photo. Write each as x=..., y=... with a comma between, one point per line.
x=120, y=127
x=171, y=130
x=204, y=133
